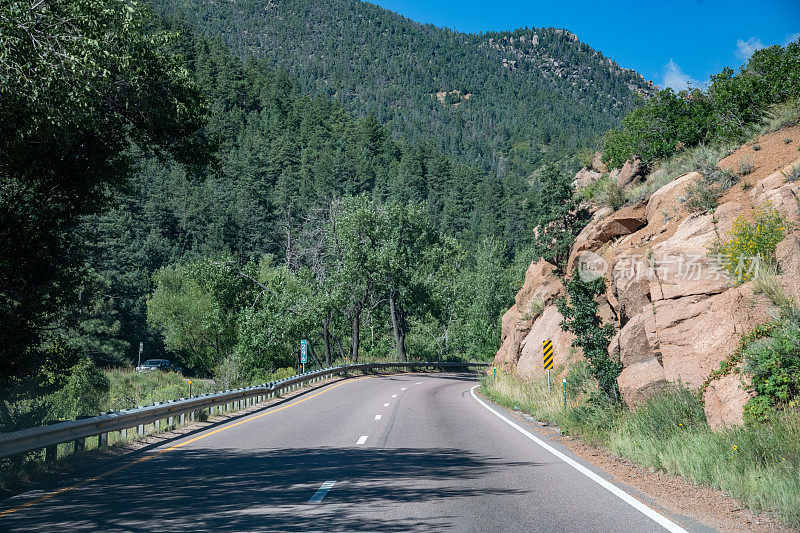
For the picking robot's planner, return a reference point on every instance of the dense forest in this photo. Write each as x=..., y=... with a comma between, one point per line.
x=168, y=187
x=501, y=101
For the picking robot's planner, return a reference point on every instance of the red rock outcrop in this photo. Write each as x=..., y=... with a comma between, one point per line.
x=678, y=314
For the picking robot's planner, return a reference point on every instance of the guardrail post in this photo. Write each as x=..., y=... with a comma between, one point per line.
x=123, y=433
x=182, y=419
x=140, y=429
x=157, y=424
x=170, y=420
x=50, y=453
x=80, y=445
x=102, y=440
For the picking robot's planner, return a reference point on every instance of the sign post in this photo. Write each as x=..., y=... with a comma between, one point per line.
x=547, y=357
x=141, y=348
x=303, y=353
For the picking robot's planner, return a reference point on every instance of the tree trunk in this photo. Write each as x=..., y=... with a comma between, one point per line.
x=326, y=339
x=398, y=326
x=314, y=355
x=356, y=324
x=342, y=356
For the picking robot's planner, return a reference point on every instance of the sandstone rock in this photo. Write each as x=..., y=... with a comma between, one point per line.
x=541, y=284
x=666, y=201
x=632, y=294
x=640, y=381
x=546, y=326
x=785, y=197
x=631, y=172
x=724, y=401
x=681, y=266
x=694, y=334
x=597, y=162
x=787, y=254
x=584, y=177
x=634, y=347
x=606, y=226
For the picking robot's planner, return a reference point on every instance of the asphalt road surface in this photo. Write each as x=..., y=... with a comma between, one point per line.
x=412, y=452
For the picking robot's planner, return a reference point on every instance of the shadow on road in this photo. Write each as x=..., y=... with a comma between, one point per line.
x=267, y=490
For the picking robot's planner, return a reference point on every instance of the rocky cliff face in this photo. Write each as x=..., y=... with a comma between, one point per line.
x=677, y=314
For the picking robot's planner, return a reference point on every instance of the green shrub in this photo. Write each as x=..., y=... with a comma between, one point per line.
x=751, y=245
x=756, y=147
x=756, y=464
x=665, y=124
x=586, y=157
x=701, y=196
x=745, y=167
x=787, y=140
x=773, y=363
x=84, y=394
x=580, y=317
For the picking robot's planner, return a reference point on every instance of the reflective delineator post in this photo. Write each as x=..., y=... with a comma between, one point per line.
x=565, y=394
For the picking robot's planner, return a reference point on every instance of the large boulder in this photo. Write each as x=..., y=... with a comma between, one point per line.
x=724, y=400
x=641, y=380
x=666, y=203
x=540, y=288
x=597, y=162
x=546, y=327
x=782, y=194
x=584, y=177
x=692, y=334
x=631, y=172
x=606, y=226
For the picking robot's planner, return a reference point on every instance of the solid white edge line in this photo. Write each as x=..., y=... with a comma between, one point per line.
x=362, y=439
x=616, y=491
x=377, y=417
x=321, y=492
x=403, y=388
x=386, y=405
x=394, y=395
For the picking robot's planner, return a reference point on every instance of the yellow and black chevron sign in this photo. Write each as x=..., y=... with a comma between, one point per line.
x=547, y=349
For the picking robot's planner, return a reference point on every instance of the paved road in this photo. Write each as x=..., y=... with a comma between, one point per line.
x=412, y=452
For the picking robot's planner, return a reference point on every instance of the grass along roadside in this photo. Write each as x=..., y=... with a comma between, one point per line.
x=758, y=465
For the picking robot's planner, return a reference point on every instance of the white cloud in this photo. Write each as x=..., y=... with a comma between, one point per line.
x=745, y=49
x=674, y=78
x=792, y=37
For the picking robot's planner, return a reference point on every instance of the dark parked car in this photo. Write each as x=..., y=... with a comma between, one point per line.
x=152, y=365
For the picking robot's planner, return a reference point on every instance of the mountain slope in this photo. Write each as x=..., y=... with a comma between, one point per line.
x=507, y=100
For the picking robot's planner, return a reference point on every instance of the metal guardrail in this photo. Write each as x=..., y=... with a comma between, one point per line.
x=26, y=440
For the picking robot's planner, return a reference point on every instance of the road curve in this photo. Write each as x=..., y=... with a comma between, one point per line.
x=411, y=452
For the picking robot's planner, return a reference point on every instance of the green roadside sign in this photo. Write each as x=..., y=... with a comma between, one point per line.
x=303, y=350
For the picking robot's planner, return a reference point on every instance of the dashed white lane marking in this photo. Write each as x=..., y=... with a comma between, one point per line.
x=322, y=491
x=419, y=383
x=394, y=395
x=386, y=405
x=663, y=521
x=377, y=417
x=362, y=439
x=403, y=388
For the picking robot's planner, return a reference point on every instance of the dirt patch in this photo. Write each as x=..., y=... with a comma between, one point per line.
x=773, y=155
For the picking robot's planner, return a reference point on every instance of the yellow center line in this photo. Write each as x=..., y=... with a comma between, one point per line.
x=176, y=446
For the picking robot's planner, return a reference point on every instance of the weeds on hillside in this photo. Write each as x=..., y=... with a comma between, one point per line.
x=758, y=465
x=694, y=159
x=751, y=244
x=603, y=191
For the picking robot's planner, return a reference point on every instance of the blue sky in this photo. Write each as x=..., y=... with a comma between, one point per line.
x=672, y=43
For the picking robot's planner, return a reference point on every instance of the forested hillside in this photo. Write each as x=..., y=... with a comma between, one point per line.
x=506, y=101
x=218, y=200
